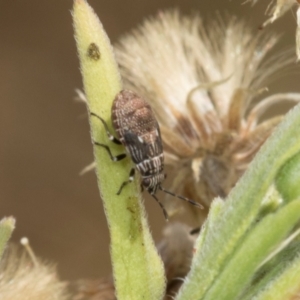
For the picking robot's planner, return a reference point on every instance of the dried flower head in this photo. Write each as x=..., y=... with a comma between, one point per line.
x=176, y=251
x=202, y=80
x=22, y=279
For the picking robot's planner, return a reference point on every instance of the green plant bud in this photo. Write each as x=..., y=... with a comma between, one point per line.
x=288, y=179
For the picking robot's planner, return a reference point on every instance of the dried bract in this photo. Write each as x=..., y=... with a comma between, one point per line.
x=176, y=251
x=276, y=10
x=201, y=80
x=98, y=289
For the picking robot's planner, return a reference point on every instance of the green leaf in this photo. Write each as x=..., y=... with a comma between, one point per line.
x=138, y=270
x=287, y=179
x=273, y=269
x=285, y=285
x=254, y=249
x=7, y=225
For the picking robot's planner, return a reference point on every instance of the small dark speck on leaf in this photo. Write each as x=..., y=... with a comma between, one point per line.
x=93, y=51
x=131, y=210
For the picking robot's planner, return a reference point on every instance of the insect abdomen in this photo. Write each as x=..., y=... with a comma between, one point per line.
x=150, y=167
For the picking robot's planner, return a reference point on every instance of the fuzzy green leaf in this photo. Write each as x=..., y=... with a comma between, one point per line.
x=287, y=179
x=7, y=225
x=137, y=268
x=274, y=269
x=254, y=249
x=284, y=286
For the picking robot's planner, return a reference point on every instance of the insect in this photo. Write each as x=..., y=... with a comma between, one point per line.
x=138, y=130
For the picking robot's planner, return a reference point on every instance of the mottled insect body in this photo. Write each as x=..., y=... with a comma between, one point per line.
x=138, y=130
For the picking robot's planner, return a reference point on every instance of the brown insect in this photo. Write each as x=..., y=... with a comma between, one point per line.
x=138, y=130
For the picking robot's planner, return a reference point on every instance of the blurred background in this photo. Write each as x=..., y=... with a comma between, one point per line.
x=44, y=133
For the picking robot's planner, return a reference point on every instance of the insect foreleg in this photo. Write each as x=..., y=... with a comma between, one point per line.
x=110, y=136
x=131, y=177
x=113, y=158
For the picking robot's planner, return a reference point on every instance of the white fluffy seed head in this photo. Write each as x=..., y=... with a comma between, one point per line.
x=202, y=78
x=22, y=279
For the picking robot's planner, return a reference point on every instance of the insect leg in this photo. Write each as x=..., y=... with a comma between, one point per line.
x=113, y=158
x=131, y=177
x=162, y=207
x=110, y=136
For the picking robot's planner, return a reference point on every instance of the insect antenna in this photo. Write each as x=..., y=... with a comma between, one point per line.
x=162, y=207
x=181, y=197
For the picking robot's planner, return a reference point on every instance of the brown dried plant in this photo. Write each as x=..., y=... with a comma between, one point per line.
x=277, y=9
x=25, y=279
x=202, y=81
